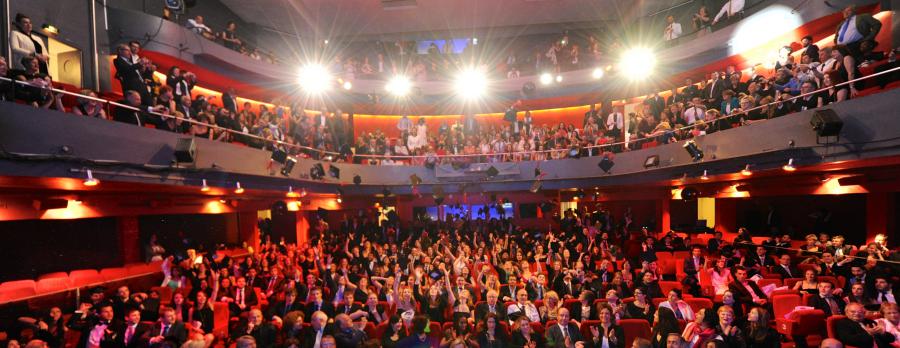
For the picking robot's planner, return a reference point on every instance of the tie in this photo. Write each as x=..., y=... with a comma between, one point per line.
x=540, y=291
x=241, y=296
x=678, y=314
x=492, y=309
x=165, y=330
x=844, y=29
x=318, y=338
x=884, y=298
x=834, y=307
x=565, y=331
x=129, y=333
x=272, y=283
x=287, y=307
x=788, y=270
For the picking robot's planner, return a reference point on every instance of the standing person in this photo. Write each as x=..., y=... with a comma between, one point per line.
x=25, y=43
x=673, y=29
x=129, y=74
x=855, y=30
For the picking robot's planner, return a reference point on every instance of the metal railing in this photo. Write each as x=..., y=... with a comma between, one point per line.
x=601, y=149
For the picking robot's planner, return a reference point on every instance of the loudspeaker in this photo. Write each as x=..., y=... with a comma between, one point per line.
x=606, y=164
x=185, y=150
x=278, y=155
x=492, y=172
x=690, y=194
x=826, y=123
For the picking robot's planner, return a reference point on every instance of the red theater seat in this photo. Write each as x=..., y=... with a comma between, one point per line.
x=635, y=328
x=784, y=304
x=804, y=323
x=666, y=286
x=586, y=326
x=112, y=274
x=766, y=281
x=84, y=277
x=15, y=290
x=220, y=319
x=790, y=282
x=54, y=275
x=436, y=332
x=370, y=329
x=48, y=285
x=698, y=303
x=380, y=330
x=537, y=328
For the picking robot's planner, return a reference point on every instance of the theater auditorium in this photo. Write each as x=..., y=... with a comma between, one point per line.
x=449, y=173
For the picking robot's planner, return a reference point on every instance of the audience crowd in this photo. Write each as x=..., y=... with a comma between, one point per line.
x=585, y=282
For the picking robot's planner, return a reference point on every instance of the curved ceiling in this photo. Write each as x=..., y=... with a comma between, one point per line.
x=351, y=18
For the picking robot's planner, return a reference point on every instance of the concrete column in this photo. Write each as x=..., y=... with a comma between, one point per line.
x=663, y=206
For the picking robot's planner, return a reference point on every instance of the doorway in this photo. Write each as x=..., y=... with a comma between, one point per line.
x=65, y=62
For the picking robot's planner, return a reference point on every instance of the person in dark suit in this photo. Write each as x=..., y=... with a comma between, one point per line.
x=856, y=330
x=758, y=261
x=168, y=330
x=98, y=329
x=129, y=74
x=785, y=269
x=253, y=278
x=826, y=301
x=567, y=287
x=491, y=305
x=585, y=310
x=855, y=30
x=346, y=335
x=263, y=332
x=508, y=292
x=134, y=334
x=241, y=297
x=318, y=304
x=657, y=104
x=859, y=275
x=274, y=283
x=318, y=328
x=712, y=94
x=350, y=307
x=565, y=333
x=281, y=308
x=229, y=100
x=745, y=291
x=135, y=117
x=692, y=266
x=828, y=266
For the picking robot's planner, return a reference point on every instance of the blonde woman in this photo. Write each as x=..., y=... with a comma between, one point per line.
x=550, y=309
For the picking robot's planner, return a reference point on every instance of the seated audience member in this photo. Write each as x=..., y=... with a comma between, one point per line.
x=168, y=331
x=682, y=310
x=785, y=269
x=490, y=306
x=825, y=300
x=809, y=284
x=394, y=332
x=523, y=307
x=727, y=330
x=419, y=336
x=608, y=333
x=490, y=333
x=884, y=291
x=641, y=307
x=856, y=330
x=731, y=9
x=565, y=333
x=89, y=107
x=831, y=343
x=229, y=36
x=701, y=329
x=240, y=298
x=664, y=323
x=258, y=328
x=523, y=336
x=758, y=333
x=197, y=26
x=890, y=321
x=746, y=291
x=347, y=335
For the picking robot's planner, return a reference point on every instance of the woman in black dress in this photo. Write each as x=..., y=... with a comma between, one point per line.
x=757, y=333
x=641, y=308
x=490, y=333
x=524, y=337
x=394, y=332
x=664, y=323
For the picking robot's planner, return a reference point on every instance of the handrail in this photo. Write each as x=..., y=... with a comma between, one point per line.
x=375, y=156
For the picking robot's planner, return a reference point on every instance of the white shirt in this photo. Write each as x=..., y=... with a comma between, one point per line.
x=673, y=31
x=96, y=335
x=615, y=121
x=850, y=34
x=694, y=114
x=888, y=297
x=318, y=338
x=197, y=27
x=731, y=8
x=530, y=311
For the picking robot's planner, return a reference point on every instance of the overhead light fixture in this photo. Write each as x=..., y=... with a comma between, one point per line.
x=50, y=29
x=347, y=85
x=314, y=79
x=399, y=86
x=746, y=171
x=237, y=188
x=293, y=206
x=288, y=166
x=695, y=152
x=597, y=73
x=317, y=171
x=789, y=167
x=637, y=63
x=559, y=78
x=546, y=78
x=651, y=161
x=357, y=179
x=90, y=180
x=704, y=176
x=303, y=192
x=204, y=187
x=291, y=193
x=339, y=200
x=471, y=83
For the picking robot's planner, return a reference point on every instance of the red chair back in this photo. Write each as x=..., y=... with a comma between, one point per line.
x=668, y=285
x=790, y=282
x=829, y=325
x=784, y=304
x=767, y=281
x=698, y=303
x=635, y=328
x=537, y=328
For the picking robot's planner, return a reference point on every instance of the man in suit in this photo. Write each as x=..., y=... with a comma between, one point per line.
x=838, y=248
x=122, y=302
x=349, y=306
x=785, y=269
x=745, y=291
x=135, y=117
x=491, y=305
x=567, y=288
x=263, y=332
x=508, y=293
x=274, y=283
x=858, y=274
x=564, y=334
x=884, y=292
x=229, y=100
x=318, y=304
x=168, y=330
x=98, y=330
x=311, y=336
x=460, y=286
x=692, y=267
x=537, y=287
x=856, y=330
x=134, y=334
x=828, y=266
x=758, y=261
x=281, y=308
x=855, y=30
x=346, y=335
x=657, y=104
x=129, y=74
x=304, y=290
x=712, y=94
x=241, y=297
x=826, y=301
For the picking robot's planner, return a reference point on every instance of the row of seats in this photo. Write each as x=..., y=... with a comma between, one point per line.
x=50, y=283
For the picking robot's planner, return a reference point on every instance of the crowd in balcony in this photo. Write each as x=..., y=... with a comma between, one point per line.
x=721, y=100
x=591, y=280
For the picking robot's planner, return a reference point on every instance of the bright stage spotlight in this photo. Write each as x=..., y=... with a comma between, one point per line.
x=597, y=73
x=546, y=78
x=637, y=63
x=470, y=84
x=399, y=86
x=348, y=85
x=314, y=79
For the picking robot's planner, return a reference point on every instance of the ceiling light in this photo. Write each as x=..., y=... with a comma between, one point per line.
x=90, y=180
x=597, y=73
x=637, y=63
x=339, y=200
x=291, y=193
x=399, y=86
x=471, y=83
x=293, y=206
x=348, y=85
x=789, y=167
x=546, y=79
x=558, y=78
x=237, y=188
x=303, y=192
x=746, y=171
x=204, y=188
x=314, y=79
x=704, y=176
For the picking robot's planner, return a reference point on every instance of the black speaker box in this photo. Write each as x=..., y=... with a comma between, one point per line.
x=185, y=150
x=826, y=123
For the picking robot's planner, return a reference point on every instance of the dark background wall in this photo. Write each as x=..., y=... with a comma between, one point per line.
x=35, y=247
x=203, y=231
x=847, y=215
